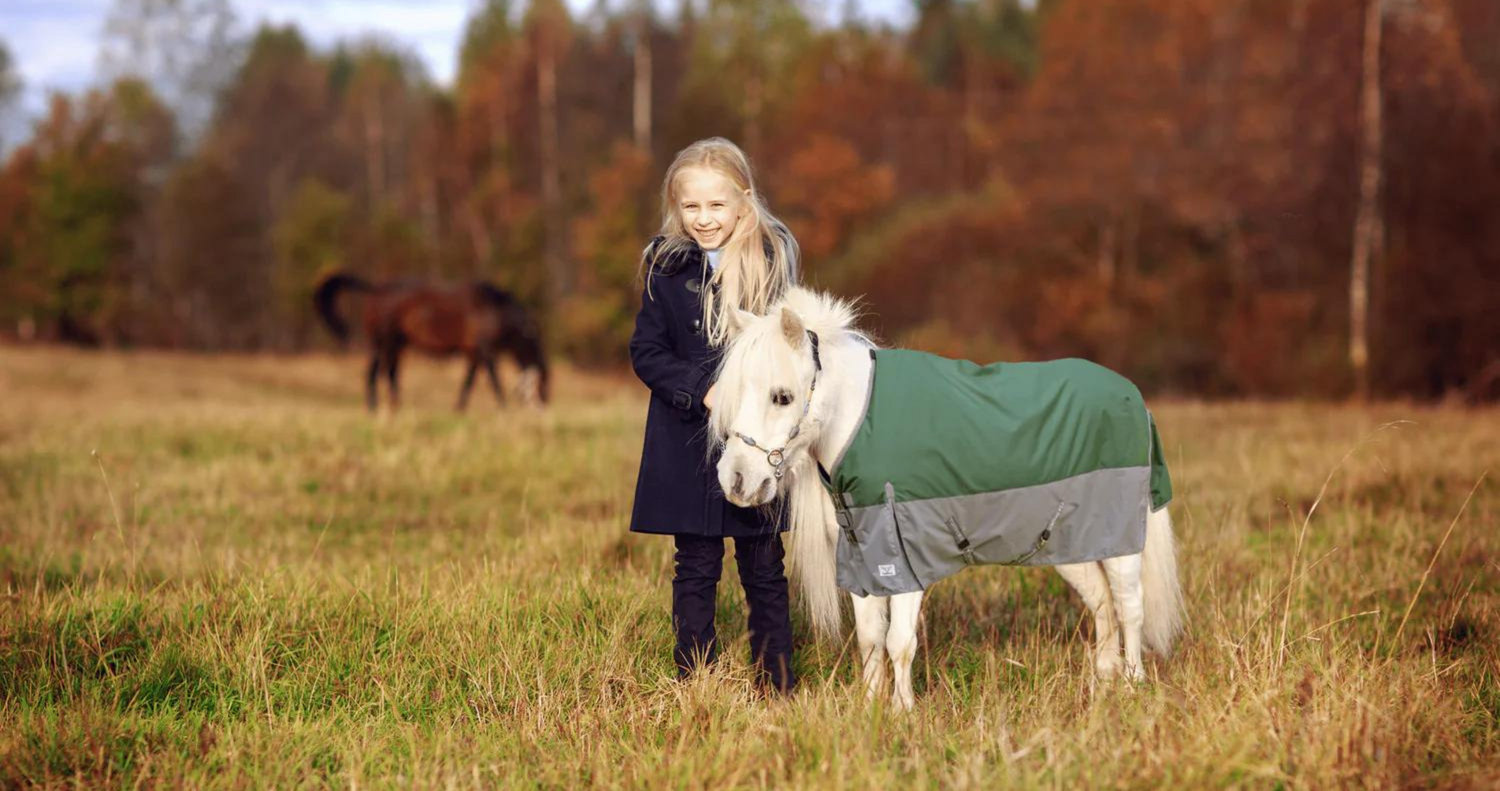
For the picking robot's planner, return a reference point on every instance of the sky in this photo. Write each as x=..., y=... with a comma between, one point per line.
x=55, y=43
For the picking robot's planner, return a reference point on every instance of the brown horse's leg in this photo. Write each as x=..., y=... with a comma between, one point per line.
x=463, y=392
x=393, y=373
x=372, y=381
x=494, y=375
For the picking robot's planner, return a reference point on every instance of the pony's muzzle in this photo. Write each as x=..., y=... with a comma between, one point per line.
x=745, y=490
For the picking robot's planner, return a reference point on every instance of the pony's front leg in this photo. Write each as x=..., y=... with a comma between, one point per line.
x=870, y=621
x=901, y=643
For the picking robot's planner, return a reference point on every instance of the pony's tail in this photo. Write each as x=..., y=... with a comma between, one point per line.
x=326, y=300
x=813, y=561
x=1160, y=593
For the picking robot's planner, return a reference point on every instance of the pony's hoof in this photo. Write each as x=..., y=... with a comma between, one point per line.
x=1135, y=673
x=1107, y=669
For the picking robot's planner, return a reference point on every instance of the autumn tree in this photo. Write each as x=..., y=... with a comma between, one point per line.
x=1167, y=186
x=548, y=32
x=70, y=201
x=497, y=217
x=642, y=30
x=743, y=56
x=273, y=131
x=10, y=96
x=187, y=50
x=380, y=91
x=595, y=321
x=311, y=237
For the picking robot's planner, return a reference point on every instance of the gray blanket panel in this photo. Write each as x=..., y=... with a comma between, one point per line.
x=901, y=547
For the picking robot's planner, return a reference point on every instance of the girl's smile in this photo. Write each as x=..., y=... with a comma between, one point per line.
x=710, y=206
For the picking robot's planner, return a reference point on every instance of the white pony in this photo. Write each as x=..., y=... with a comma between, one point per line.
x=790, y=393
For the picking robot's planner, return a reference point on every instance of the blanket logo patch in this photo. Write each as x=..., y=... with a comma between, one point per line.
x=887, y=570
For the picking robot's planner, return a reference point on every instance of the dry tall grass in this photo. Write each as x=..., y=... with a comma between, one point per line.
x=220, y=572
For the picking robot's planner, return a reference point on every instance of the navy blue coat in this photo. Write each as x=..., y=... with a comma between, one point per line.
x=677, y=491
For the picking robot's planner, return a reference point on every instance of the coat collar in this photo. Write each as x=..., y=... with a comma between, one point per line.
x=688, y=256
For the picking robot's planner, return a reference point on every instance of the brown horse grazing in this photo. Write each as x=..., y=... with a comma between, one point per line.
x=475, y=319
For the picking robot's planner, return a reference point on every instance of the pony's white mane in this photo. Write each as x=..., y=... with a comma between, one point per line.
x=821, y=311
x=761, y=342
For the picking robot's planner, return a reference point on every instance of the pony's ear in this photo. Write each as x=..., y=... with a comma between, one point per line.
x=793, y=328
x=737, y=319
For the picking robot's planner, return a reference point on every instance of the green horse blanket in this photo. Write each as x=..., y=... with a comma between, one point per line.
x=956, y=464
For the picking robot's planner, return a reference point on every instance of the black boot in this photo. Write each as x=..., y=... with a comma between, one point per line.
x=764, y=578
x=700, y=562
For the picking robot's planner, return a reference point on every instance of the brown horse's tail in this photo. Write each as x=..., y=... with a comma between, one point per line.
x=326, y=300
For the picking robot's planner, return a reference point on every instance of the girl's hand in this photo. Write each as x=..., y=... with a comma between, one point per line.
x=708, y=398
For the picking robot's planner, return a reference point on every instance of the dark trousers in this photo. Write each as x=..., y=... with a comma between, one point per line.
x=700, y=561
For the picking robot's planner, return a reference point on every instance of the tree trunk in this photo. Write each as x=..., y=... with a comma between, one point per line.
x=1106, y=261
x=642, y=105
x=374, y=152
x=431, y=217
x=479, y=238
x=754, y=103
x=546, y=84
x=1368, y=225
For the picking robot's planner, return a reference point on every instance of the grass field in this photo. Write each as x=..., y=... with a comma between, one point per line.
x=219, y=572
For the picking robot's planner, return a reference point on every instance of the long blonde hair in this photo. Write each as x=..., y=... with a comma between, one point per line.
x=759, y=259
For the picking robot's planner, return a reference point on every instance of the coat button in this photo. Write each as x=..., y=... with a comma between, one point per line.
x=697, y=326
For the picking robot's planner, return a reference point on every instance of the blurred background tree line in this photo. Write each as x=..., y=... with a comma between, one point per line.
x=1190, y=191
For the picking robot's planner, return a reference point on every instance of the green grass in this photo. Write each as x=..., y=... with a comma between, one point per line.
x=219, y=572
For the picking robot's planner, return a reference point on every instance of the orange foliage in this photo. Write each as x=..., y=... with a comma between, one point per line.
x=1167, y=186
x=825, y=188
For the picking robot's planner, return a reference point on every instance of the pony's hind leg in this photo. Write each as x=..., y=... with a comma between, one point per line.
x=1092, y=584
x=870, y=622
x=1124, y=575
x=901, y=643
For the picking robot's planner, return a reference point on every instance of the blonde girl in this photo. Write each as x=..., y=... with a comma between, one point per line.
x=719, y=249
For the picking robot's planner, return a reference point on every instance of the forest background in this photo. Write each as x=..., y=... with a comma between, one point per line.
x=1217, y=197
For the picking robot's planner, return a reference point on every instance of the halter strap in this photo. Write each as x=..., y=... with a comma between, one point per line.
x=776, y=457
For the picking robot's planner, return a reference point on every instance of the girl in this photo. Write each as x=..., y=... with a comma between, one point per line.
x=719, y=249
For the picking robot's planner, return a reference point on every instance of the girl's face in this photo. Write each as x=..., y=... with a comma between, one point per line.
x=710, y=206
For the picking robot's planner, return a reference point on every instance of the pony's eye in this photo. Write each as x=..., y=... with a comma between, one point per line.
x=781, y=397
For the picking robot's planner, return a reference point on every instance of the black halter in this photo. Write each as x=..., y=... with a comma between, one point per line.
x=776, y=457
